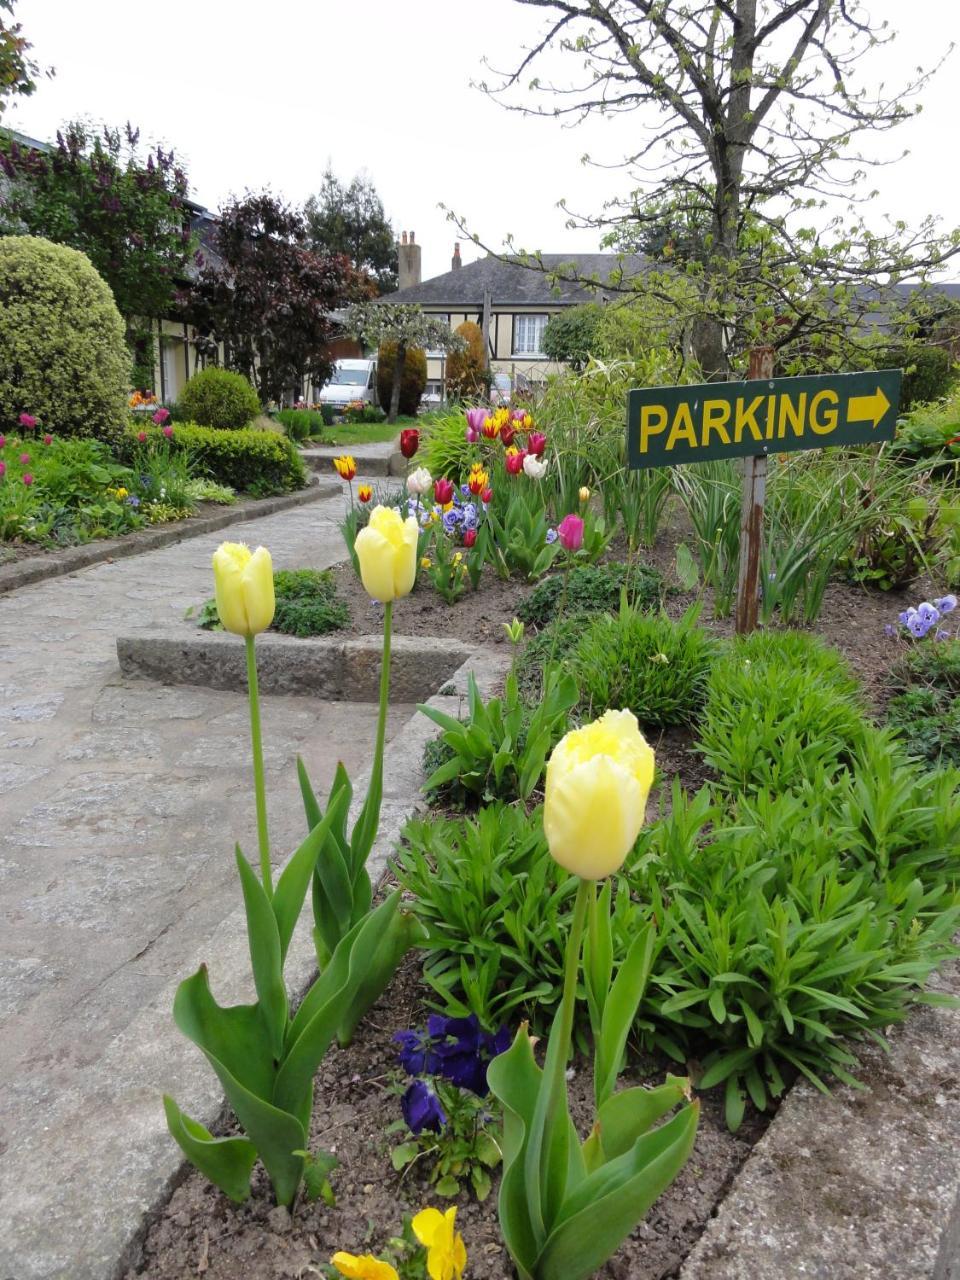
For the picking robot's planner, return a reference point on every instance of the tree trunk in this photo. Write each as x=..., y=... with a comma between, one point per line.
x=399, y=361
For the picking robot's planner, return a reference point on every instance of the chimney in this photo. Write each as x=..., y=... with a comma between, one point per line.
x=409, y=258
x=456, y=263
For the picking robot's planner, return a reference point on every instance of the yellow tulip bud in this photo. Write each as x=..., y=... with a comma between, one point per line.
x=584, y=494
x=243, y=583
x=387, y=551
x=598, y=780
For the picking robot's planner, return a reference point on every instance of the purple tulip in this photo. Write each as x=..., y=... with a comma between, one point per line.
x=421, y=1108
x=475, y=420
x=472, y=435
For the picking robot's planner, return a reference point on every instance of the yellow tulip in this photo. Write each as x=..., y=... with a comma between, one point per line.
x=387, y=551
x=243, y=583
x=598, y=780
x=584, y=493
x=363, y=1266
x=446, y=1253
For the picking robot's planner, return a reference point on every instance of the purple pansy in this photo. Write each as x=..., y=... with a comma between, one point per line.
x=421, y=1108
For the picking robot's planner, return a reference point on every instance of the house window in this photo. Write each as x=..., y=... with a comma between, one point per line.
x=444, y=317
x=528, y=335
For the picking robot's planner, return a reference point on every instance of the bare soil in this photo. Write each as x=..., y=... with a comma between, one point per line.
x=199, y=1232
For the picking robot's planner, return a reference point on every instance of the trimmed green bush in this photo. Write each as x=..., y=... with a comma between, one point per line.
x=254, y=462
x=593, y=588
x=218, y=398
x=63, y=357
x=466, y=371
x=414, y=380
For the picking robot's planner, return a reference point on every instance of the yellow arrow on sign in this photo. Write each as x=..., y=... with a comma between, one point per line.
x=868, y=408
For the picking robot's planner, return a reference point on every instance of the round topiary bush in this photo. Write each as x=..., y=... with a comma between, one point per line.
x=63, y=358
x=413, y=383
x=218, y=398
x=466, y=371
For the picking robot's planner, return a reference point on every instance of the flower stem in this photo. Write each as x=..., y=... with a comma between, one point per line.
x=571, y=968
x=384, y=692
x=253, y=690
x=558, y=618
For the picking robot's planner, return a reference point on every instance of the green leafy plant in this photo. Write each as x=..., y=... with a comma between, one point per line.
x=519, y=541
x=592, y=589
x=215, y=397
x=781, y=710
x=306, y=604
x=199, y=490
x=249, y=461
x=446, y=566
x=925, y=709
x=302, y=424
x=444, y=448
x=643, y=661
x=499, y=751
x=464, y=1151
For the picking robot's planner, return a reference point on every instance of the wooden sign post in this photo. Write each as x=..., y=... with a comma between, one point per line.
x=667, y=426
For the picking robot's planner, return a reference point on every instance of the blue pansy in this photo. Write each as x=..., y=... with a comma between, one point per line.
x=421, y=1108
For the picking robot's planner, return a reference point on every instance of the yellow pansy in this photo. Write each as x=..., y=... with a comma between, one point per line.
x=446, y=1254
x=363, y=1266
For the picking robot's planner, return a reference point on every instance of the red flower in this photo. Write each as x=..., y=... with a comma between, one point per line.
x=168, y=431
x=536, y=443
x=507, y=434
x=3, y=469
x=48, y=439
x=27, y=479
x=27, y=422
x=161, y=416
x=469, y=537
x=487, y=495
x=142, y=437
x=443, y=491
x=24, y=458
x=409, y=441
x=514, y=462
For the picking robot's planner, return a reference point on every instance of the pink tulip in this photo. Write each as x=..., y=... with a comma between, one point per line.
x=24, y=458
x=27, y=479
x=514, y=462
x=168, y=431
x=443, y=491
x=48, y=439
x=142, y=437
x=570, y=531
x=475, y=419
x=3, y=442
x=472, y=435
x=536, y=443
x=27, y=422
x=161, y=416
x=3, y=470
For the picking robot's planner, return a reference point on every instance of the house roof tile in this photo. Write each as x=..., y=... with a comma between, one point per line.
x=510, y=281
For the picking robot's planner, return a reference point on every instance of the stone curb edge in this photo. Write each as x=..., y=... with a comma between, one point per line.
x=58, y=563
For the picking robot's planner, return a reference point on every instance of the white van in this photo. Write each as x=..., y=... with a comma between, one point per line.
x=351, y=380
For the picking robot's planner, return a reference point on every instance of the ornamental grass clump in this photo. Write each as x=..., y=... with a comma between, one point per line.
x=264, y=1056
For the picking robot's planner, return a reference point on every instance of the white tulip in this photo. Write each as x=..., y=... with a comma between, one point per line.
x=419, y=481
x=534, y=468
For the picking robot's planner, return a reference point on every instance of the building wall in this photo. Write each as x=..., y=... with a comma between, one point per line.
x=503, y=358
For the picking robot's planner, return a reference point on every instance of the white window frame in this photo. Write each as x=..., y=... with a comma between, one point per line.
x=527, y=345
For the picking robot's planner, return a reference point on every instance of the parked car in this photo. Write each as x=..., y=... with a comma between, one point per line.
x=352, y=380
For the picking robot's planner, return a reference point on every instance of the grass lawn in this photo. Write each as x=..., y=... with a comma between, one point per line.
x=346, y=433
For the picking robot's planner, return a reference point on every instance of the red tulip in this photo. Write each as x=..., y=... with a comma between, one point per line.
x=443, y=491
x=409, y=441
x=514, y=462
x=507, y=434
x=536, y=443
x=570, y=532
x=486, y=496
x=469, y=537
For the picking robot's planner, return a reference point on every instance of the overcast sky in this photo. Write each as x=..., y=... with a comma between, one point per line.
x=254, y=94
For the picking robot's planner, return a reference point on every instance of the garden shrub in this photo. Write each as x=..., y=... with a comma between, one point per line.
x=929, y=373
x=444, y=448
x=217, y=397
x=925, y=710
x=414, y=380
x=643, y=661
x=592, y=589
x=466, y=370
x=301, y=424
x=571, y=335
x=782, y=710
x=63, y=355
x=254, y=462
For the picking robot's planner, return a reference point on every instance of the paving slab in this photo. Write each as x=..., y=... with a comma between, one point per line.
x=373, y=460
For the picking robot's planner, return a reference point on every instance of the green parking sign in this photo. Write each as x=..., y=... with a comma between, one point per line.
x=667, y=426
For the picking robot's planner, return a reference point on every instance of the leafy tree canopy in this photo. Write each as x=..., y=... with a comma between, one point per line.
x=269, y=297
x=350, y=220
x=18, y=71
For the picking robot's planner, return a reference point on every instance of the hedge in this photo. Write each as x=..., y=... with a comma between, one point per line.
x=254, y=462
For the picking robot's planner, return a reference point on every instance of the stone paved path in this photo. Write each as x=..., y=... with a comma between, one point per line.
x=121, y=801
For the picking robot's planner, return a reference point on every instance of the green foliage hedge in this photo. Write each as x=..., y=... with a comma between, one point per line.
x=592, y=588
x=63, y=357
x=254, y=462
x=218, y=398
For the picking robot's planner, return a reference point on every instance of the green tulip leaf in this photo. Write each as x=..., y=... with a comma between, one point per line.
x=292, y=886
x=609, y=1203
x=227, y=1162
x=515, y=1079
x=310, y=804
x=628, y=1114
x=233, y=1035
x=403, y=930
x=264, y=939
x=620, y=1010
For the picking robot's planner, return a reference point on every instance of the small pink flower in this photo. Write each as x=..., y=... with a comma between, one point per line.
x=168, y=431
x=27, y=479
x=161, y=416
x=3, y=470
x=536, y=443
x=27, y=422
x=48, y=439
x=142, y=437
x=24, y=458
x=3, y=442
x=472, y=435
x=570, y=531
x=475, y=420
